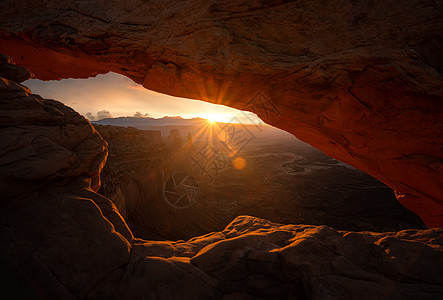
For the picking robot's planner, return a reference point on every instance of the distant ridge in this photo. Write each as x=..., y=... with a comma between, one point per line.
x=143, y=121
x=194, y=125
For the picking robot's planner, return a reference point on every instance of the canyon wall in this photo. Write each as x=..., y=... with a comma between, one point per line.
x=359, y=80
x=134, y=175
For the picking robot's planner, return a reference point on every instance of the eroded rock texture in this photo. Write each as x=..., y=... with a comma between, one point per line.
x=256, y=259
x=359, y=80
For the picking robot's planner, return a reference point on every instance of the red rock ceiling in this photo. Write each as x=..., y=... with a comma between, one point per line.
x=362, y=82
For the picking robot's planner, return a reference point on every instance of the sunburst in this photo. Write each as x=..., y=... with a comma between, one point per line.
x=213, y=118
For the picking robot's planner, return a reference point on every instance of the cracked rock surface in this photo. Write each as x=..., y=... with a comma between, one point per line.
x=361, y=81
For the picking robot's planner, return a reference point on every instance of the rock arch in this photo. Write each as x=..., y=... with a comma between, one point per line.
x=361, y=82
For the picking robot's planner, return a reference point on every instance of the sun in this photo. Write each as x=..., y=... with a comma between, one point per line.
x=212, y=118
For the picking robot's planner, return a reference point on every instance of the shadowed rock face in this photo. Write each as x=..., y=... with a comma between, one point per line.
x=61, y=240
x=54, y=227
x=360, y=81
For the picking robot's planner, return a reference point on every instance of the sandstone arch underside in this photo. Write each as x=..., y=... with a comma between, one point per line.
x=361, y=81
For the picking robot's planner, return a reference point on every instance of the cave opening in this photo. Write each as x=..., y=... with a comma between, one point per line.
x=179, y=168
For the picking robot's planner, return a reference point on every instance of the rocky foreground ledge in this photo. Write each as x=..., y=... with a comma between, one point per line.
x=59, y=239
x=254, y=258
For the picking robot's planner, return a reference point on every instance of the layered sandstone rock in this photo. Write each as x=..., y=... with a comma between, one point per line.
x=362, y=82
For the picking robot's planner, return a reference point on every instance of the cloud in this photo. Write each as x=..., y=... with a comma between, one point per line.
x=140, y=115
x=103, y=114
x=90, y=116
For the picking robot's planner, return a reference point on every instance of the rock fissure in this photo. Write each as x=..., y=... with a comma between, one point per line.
x=56, y=277
x=202, y=276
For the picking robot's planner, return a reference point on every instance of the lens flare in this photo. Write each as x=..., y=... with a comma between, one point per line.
x=239, y=163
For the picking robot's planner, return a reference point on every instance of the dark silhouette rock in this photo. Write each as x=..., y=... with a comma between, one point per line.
x=174, y=140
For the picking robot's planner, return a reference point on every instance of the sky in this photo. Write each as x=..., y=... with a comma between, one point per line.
x=114, y=95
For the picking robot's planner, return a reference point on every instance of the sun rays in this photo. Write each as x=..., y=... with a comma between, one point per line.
x=212, y=118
